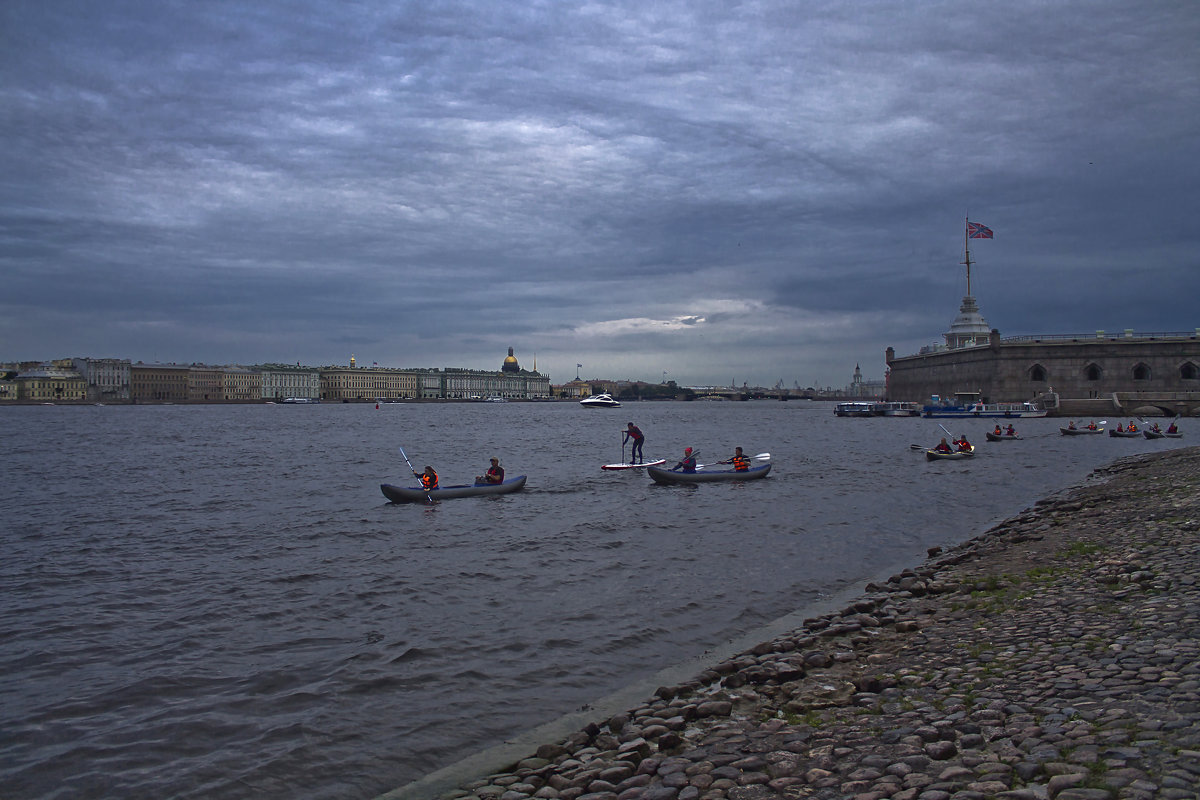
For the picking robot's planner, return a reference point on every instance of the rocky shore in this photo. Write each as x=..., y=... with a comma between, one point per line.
x=1057, y=655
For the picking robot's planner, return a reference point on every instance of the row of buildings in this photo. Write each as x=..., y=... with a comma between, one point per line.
x=114, y=380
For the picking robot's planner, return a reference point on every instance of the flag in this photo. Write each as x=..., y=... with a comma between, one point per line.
x=977, y=231
x=578, y=366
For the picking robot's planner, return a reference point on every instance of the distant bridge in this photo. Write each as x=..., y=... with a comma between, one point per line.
x=1170, y=404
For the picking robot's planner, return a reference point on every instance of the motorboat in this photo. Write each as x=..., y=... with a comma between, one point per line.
x=600, y=401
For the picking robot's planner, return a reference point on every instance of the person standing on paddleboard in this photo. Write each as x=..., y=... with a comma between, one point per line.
x=633, y=432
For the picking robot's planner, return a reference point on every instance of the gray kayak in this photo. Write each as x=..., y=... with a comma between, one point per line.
x=667, y=476
x=415, y=494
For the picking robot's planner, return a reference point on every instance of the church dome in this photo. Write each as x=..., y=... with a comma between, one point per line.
x=510, y=363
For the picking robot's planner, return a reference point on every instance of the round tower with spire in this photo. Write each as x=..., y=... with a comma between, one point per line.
x=510, y=363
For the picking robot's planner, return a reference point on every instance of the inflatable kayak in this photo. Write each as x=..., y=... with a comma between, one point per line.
x=935, y=455
x=667, y=476
x=1003, y=437
x=1079, y=431
x=1124, y=434
x=415, y=494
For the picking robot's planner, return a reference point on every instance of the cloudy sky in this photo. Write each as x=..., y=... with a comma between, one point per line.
x=711, y=190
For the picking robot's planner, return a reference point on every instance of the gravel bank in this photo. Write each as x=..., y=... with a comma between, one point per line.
x=1055, y=656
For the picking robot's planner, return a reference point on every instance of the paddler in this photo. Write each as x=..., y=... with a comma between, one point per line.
x=429, y=478
x=688, y=464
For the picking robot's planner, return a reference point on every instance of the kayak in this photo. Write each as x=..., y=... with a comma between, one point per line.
x=635, y=466
x=1080, y=431
x=934, y=455
x=1173, y=435
x=1126, y=434
x=1003, y=437
x=415, y=494
x=667, y=476
x=1153, y=434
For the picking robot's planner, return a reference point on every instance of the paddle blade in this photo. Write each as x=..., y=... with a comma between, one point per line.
x=763, y=456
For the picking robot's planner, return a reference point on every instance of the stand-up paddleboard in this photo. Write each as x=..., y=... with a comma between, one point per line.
x=658, y=463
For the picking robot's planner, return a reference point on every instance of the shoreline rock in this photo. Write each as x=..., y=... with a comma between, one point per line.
x=1056, y=655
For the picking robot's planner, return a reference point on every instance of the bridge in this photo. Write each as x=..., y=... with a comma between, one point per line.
x=1169, y=404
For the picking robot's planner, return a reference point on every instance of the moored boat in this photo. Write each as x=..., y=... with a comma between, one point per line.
x=415, y=494
x=854, y=409
x=603, y=400
x=666, y=476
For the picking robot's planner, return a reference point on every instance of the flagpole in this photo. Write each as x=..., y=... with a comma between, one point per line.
x=967, y=251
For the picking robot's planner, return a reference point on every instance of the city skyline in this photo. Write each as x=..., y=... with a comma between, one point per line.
x=765, y=192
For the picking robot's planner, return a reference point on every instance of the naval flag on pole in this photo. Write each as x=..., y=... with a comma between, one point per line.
x=977, y=231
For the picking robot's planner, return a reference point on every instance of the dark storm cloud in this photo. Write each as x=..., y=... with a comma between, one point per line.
x=764, y=191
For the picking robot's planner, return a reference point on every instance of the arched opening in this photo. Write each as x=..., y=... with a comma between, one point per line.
x=1038, y=373
x=1093, y=372
x=1189, y=372
x=1141, y=372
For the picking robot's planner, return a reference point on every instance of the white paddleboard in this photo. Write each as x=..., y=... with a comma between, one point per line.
x=658, y=463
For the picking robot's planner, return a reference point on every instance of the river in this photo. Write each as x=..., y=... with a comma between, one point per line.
x=218, y=602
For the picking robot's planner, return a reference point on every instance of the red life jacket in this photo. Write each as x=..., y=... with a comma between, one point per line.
x=741, y=464
x=428, y=481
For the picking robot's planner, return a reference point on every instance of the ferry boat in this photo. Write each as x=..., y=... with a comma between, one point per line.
x=299, y=400
x=940, y=408
x=891, y=408
x=855, y=409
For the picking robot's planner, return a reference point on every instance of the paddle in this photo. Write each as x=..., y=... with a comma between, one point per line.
x=428, y=499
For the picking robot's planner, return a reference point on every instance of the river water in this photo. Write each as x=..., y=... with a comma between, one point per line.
x=218, y=602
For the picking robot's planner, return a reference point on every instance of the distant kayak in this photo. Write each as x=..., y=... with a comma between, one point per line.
x=1001, y=437
x=635, y=466
x=415, y=494
x=1079, y=431
x=667, y=476
x=936, y=455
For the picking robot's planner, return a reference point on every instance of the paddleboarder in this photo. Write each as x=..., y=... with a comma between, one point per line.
x=633, y=432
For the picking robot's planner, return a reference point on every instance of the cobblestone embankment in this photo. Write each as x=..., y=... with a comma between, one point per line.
x=1055, y=656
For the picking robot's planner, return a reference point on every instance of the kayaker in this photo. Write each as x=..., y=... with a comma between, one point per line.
x=942, y=447
x=1071, y=425
x=494, y=474
x=1092, y=425
x=688, y=464
x=998, y=432
x=1172, y=429
x=1131, y=428
x=739, y=461
x=1010, y=430
x=963, y=445
x=429, y=479
x=635, y=453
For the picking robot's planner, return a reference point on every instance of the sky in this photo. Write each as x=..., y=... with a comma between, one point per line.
x=706, y=192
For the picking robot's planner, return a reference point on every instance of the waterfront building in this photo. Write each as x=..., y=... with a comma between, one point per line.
x=50, y=384
x=360, y=384
x=108, y=379
x=205, y=384
x=241, y=385
x=158, y=383
x=280, y=382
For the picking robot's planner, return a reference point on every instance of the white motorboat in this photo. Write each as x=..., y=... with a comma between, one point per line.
x=600, y=401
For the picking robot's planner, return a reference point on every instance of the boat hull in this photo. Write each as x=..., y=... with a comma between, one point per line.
x=415, y=494
x=1004, y=437
x=1125, y=434
x=667, y=477
x=1153, y=434
x=600, y=401
x=957, y=455
x=1079, y=431
x=635, y=466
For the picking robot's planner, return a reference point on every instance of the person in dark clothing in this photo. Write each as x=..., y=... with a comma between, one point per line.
x=633, y=432
x=688, y=464
x=494, y=474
